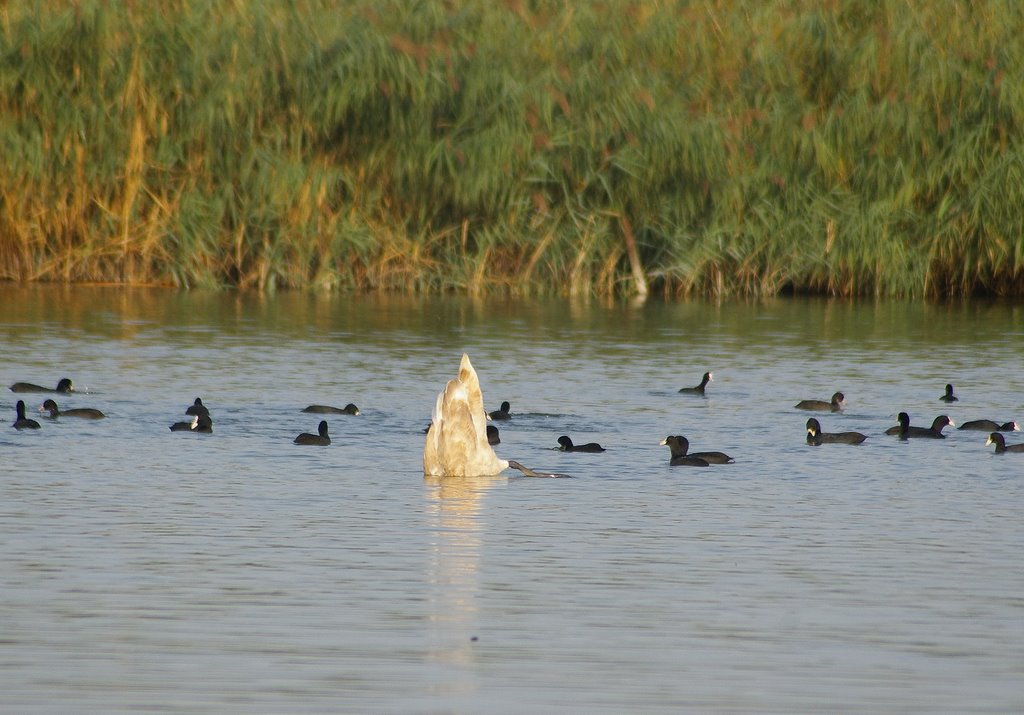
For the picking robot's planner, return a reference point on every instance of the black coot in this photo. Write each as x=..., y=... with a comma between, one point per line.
x=679, y=456
x=200, y=423
x=834, y=405
x=816, y=437
x=348, y=409
x=320, y=439
x=933, y=432
x=1001, y=446
x=63, y=387
x=990, y=426
x=565, y=444
x=502, y=413
x=902, y=430
x=680, y=447
x=699, y=389
x=23, y=422
x=87, y=413
x=197, y=408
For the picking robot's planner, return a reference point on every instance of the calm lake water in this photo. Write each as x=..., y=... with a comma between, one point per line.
x=145, y=570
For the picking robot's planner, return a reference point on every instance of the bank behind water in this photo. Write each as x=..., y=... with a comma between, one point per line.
x=744, y=148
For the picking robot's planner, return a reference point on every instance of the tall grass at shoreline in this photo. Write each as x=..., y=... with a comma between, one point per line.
x=710, y=147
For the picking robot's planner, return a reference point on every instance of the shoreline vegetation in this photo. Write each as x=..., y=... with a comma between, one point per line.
x=713, y=147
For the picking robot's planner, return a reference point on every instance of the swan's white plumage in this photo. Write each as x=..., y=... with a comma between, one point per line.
x=457, y=439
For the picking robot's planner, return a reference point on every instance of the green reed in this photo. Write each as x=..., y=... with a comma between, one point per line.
x=712, y=147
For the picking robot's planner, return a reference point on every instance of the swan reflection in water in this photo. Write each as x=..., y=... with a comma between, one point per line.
x=453, y=508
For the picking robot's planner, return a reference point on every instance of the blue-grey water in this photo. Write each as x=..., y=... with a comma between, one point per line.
x=150, y=571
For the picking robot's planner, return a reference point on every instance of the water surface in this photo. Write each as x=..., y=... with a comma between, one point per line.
x=154, y=571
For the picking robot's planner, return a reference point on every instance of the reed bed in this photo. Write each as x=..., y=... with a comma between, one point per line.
x=715, y=147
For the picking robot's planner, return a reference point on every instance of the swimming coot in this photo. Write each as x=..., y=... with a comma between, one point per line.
x=949, y=396
x=321, y=439
x=197, y=408
x=990, y=426
x=816, y=437
x=679, y=457
x=501, y=413
x=348, y=409
x=902, y=430
x=1000, y=443
x=203, y=424
x=699, y=389
x=933, y=432
x=185, y=426
x=23, y=422
x=837, y=403
x=680, y=447
x=87, y=413
x=63, y=387
x=565, y=444
x=200, y=423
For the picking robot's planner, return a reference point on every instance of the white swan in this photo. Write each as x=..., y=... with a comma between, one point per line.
x=457, y=439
